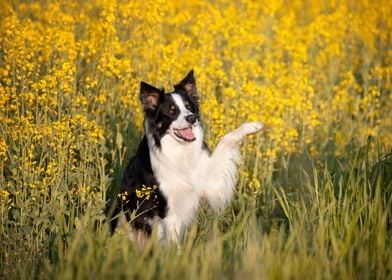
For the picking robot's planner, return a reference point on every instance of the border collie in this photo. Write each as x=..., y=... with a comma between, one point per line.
x=173, y=170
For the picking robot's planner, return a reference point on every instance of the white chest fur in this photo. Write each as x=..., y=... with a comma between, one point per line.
x=177, y=166
x=179, y=170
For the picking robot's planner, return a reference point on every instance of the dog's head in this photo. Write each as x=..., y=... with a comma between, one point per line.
x=174, y=114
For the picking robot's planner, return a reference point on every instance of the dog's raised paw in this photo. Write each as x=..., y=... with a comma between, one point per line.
x=251, y=127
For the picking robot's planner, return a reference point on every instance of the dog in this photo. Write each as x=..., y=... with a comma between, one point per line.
x=173, y=169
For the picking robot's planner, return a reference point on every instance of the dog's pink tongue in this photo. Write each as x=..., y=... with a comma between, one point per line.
x=187, y=133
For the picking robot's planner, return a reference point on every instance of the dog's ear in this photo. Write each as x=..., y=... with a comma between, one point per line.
x=150, y=96
x=188, y=86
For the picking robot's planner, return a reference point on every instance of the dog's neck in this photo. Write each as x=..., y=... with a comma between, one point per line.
x=174, y=157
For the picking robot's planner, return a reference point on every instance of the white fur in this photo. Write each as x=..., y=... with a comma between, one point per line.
x=180, y=122
x=186, y=173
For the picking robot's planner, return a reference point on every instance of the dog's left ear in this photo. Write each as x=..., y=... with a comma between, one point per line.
x=188, y=86
x=150, y=97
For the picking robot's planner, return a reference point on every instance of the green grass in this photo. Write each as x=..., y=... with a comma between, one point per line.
x=317, y=74
x=309, y=222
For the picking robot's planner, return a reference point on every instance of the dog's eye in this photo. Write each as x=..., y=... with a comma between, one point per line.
x=172, y=110
x=187, y=105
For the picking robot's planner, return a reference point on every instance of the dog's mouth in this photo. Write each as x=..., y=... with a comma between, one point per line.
x=185, y=134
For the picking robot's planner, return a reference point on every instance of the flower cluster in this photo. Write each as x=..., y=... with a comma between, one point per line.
x=314, y=74
x=145, y=192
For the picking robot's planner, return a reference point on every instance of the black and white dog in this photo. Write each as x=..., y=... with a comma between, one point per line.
x=173, y=169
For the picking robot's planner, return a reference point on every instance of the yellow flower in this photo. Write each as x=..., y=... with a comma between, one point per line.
x=3, y=147
x=69, y=74
x=145, y=192
x=123, y=196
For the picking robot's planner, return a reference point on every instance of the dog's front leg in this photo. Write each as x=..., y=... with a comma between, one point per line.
x=169, y=229
x=235, y=137
x=221, y=173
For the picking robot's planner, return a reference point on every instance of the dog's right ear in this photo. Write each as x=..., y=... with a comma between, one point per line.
x=188, y=86
x=150, y=96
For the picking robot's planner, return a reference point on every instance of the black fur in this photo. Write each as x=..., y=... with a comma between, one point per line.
x=140, y=198
x=139, y=174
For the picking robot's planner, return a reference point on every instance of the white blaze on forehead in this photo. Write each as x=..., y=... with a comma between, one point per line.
x=181, y=127
x=181, y=105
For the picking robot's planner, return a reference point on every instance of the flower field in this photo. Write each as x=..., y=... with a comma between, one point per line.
x=314, y=195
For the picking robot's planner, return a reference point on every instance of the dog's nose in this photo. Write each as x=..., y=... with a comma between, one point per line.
x=191, y=118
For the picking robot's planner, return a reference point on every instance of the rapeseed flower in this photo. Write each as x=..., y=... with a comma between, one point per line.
x=70, y=73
